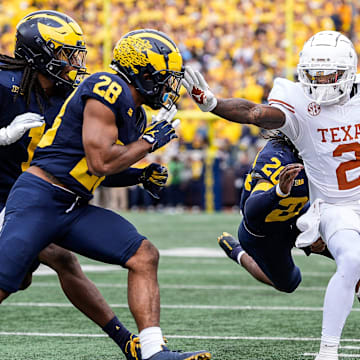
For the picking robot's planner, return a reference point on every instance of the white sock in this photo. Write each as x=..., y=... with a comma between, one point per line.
x=329, y=346
x=151, y=340
x=241, y=253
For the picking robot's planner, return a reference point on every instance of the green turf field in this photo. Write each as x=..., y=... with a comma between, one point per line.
x=208, y=302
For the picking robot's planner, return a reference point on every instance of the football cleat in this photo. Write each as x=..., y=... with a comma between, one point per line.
x=167, y=354
x=230, y=245
x=133, y=348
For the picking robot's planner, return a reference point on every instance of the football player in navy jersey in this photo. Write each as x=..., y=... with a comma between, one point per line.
x=49, y=61
x=275, y=194
x=100, y=131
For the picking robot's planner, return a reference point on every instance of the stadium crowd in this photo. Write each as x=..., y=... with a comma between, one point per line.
x=238, y=45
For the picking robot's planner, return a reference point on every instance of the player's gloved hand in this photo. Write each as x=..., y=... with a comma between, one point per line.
x=154, y=178
x=162, y=130
x=318, y=246
x=19, y=126
x=199, y=90
x=286, y=179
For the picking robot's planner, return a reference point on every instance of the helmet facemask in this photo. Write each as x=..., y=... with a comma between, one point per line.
x=326, y=86
x=66, y=56
x=161, y=88
x=327, y=68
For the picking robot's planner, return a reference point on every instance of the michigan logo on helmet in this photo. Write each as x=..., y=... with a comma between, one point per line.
x=52, y=43
x=152, y=63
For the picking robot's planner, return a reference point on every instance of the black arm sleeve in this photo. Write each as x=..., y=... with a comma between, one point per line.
x=258, y=205
x=128, y=177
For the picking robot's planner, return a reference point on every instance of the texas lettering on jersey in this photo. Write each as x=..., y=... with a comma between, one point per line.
x=340, y=134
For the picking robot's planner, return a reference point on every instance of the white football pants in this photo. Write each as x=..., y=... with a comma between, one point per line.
x=344, y=245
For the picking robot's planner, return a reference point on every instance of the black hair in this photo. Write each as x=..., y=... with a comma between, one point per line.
x=280, y=138
x=29, y=80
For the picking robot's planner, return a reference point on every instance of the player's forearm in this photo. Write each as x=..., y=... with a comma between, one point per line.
x=259, y=205
x=128, y=177
x=246, y=112
x=117, y=158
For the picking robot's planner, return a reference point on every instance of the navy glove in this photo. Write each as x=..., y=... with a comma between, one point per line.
x=162, y=130
x=154, y=178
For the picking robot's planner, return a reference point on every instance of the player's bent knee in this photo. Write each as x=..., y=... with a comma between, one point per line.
x=349, y=263
x=59, y=259
x=289, y=285
x=146, y=256
x=26, y=282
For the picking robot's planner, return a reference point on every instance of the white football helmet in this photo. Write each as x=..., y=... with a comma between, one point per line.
x=327, y=67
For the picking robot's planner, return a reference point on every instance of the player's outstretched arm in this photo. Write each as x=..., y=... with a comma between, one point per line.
x=237, y=110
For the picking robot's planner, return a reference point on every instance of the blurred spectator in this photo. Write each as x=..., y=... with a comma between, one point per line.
x=238, y=45
x=241, y=168
x=174, y=190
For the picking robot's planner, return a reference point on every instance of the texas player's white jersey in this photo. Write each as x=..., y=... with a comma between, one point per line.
x=327, y=138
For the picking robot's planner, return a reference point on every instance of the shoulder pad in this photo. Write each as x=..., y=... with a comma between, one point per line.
x=108, y=88
x=284, y=94
x=271, y=160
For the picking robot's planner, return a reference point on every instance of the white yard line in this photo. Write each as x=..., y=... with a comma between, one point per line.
x=44, y=270
x=200, y=337
x=180, y=306
x=340, y=355
x=188, y=287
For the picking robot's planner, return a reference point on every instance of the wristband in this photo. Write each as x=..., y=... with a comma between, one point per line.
x=279, y=192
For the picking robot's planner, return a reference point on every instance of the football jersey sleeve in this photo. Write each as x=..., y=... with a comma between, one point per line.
x=280, y=97
x=110, y=90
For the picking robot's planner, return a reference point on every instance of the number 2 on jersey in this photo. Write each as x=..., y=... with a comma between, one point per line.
x=341, y=170
x=273, y=175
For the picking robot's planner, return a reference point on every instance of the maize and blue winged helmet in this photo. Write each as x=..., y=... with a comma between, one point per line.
x=50, y=42
x=152, y=63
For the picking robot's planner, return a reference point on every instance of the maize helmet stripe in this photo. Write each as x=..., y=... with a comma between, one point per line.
x=61, y=36
x=175, y=58
x=149, y=34
x=59, y=31
x=74, y=26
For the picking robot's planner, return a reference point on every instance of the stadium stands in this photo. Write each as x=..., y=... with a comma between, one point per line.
x=238, y=44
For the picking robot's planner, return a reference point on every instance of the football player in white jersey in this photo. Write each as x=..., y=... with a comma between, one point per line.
x=320, y=114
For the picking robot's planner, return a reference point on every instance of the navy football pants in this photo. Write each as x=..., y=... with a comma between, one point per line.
x=273, y=255
x=37, y=214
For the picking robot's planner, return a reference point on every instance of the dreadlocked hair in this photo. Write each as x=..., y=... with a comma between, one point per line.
x=29, y=81
x=280, y=138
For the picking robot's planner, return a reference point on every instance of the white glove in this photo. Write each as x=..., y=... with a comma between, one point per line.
x=19, y=126
x=167, y=115
x=199, y=90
